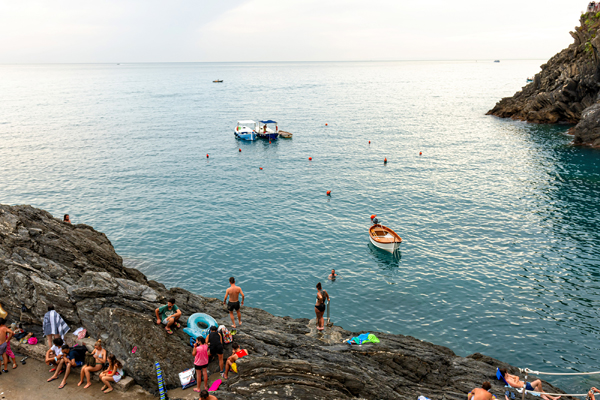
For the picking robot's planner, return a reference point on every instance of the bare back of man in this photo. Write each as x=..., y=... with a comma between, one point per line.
x=480, y=394
x=234, y=292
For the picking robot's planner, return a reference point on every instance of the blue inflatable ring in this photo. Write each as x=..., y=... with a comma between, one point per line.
x=193, y=328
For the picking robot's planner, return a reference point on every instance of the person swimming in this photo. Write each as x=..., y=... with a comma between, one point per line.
x=333, y=275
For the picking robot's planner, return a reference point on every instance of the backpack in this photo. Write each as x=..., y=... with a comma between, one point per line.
x=227, y=338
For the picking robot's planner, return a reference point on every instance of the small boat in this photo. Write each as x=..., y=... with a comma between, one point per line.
x=245, y=130
x=285, y=135
x=268, y=132
x=218, y=81
x=496, y=60
x=383, y=237
x=529, y=80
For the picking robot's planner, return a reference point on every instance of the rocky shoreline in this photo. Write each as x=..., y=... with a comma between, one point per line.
x=46, y=261
x=567, y=88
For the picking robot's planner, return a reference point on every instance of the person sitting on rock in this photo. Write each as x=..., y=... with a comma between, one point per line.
x=481, y=393
x=87, y=370
x=535, y=386
x=71, y=358
x=114, y=373
x=54, y=353
x=205, y=396
x=168, y=315
x=237, y=354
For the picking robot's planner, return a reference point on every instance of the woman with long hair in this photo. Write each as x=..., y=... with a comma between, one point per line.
x=114, y=373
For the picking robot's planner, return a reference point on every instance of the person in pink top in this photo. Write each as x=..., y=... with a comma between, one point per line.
x=200, y=354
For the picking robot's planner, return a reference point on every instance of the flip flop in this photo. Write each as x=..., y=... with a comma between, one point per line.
x=52, y=379
x=197, y=390
x=62, y=385
x=5, y=371
x=109, y=390
x=178, y=325
x=134, y=350
x=169, y=331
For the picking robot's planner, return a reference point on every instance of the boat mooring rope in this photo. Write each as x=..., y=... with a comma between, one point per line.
x=529, y=371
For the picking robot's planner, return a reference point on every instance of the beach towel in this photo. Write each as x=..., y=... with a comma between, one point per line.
x=54, y=324
x=364, y=338
x=215, y=385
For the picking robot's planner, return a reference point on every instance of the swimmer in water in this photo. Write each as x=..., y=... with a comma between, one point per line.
x=333, y=275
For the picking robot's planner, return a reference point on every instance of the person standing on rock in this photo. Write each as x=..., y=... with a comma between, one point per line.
x=322, y=297
x=215, y=345
x=168, y=315
x=200, y=354
x=5, y=335
x=54, y=326
x=481, y=393
x=234, y=293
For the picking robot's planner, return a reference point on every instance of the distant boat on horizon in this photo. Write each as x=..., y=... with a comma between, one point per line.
x=496, y=60
x=218, y=81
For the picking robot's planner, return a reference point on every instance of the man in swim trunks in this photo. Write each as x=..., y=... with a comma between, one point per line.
x=168, y=315
x=234, y=293
x=515, y=381
x=5, y=335
x=481, y=393
x=333, y=275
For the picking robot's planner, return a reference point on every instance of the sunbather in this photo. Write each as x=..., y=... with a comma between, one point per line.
x=114, y=373
x=481, y=393
x=237, y=353
x=535, y=386
x=87, y=370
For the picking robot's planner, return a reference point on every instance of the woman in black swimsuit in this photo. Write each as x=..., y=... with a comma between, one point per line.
x=322, y=296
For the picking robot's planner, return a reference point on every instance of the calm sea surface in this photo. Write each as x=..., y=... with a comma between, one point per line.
x=500, y=219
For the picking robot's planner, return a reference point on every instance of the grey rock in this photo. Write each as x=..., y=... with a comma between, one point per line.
x=76, y=269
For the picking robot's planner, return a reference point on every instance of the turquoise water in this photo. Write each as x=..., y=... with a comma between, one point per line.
x=499, y=218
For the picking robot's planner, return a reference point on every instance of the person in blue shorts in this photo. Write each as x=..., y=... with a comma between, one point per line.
x=516, y=382
x=71, y=358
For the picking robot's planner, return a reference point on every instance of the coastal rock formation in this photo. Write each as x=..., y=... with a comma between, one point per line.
x=566, y=89
x=45, y=261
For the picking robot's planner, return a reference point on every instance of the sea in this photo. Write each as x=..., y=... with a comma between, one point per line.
x=500, y=219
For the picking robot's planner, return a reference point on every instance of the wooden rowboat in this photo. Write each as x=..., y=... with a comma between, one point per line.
x=285, y=135
x=384, y=238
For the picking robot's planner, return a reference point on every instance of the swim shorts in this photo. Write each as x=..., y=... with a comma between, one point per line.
x=218, y=349
x=529, y=387
x=3, y=348
x=233, y=305
x=199, y=367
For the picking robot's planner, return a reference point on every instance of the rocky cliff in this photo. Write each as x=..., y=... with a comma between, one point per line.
x=566, y=89
x=44, y=261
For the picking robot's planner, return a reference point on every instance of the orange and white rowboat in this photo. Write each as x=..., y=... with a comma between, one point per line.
x=384, y=238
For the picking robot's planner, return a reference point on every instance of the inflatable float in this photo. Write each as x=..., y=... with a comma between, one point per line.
x=199, y=325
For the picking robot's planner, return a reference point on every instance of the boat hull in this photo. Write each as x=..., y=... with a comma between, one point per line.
x=245, y=135
x=389, y=242
x=269, y=136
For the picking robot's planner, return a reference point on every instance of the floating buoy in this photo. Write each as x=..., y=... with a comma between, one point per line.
x=420, y=153
x=369, y=142
x=325, y=124
x=260, y=168
x=309, y=158
x=385, y=160
x=329, y=193
x=240, y=150
x=207, y=156
x=269, y=142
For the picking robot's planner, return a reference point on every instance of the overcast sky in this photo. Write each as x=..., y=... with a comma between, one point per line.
x=57, y=31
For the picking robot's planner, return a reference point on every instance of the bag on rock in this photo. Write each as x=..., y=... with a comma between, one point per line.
x=227, y=338
x=187, y=378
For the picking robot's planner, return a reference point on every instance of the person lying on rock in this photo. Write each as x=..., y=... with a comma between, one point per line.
x=53, y=355
x=205, y=396
x=215, y=346
x=71, y=358
x=87, y=370
x=169, y=316
x=237, y=354
x=481, y=393
x=5, y=335
x=234, y=292
x=113, y=373
x=535, y=386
